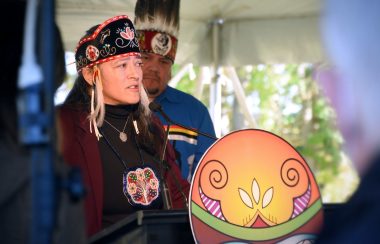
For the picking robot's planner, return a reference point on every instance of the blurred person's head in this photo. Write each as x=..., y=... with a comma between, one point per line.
x=157, y=25
x=351, y=32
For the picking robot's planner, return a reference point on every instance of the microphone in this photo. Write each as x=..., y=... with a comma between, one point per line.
x=155, y=107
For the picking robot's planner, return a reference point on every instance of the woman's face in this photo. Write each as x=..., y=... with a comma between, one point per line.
x=121, y=79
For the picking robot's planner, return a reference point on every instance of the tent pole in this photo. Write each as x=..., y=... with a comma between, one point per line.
x=215, y=86
x=199, y=85
x=240, y=95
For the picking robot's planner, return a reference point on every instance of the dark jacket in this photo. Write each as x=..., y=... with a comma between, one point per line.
x=80, y=148
x=357, y=221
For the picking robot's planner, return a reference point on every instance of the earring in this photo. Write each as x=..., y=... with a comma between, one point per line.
x=136, y=128
x=94, y=111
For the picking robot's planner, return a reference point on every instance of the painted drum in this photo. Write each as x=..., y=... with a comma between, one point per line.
x=252, y=186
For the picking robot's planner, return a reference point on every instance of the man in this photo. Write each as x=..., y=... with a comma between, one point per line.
x=352, y=34
x=157, y=24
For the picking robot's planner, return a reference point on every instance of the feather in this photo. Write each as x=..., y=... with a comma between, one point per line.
x=158, y=15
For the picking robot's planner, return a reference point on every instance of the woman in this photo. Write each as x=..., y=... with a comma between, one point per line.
x=109, y=132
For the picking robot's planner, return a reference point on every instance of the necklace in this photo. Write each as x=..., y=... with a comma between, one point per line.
x=141, y=185
x=122, y=135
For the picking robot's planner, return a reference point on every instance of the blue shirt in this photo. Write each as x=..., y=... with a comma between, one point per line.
x=185, y=109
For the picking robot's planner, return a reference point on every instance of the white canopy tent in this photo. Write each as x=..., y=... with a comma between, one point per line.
x=219, y=33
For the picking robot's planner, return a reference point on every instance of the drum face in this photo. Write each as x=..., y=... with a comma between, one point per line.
x=250, y=186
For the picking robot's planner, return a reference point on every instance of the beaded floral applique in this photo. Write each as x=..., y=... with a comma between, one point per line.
x=141, y=186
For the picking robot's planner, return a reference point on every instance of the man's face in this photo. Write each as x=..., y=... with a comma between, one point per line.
x=156, y=73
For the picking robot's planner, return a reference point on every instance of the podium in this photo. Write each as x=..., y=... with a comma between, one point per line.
x=148, y=226
x=160, y=226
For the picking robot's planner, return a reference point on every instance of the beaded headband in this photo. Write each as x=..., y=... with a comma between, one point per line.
x=158, y=43
x=114, y=38
x=157, y=26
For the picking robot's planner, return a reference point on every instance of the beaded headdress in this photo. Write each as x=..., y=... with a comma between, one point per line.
x=157, y=25
x=114, y=38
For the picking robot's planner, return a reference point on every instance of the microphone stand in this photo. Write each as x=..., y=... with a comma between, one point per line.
x=178, y=185
x=165, y=190
x=156, y=107
x=164, y=164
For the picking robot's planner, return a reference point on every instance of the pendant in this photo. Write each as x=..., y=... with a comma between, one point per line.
x=141, y=186
x=123, y=136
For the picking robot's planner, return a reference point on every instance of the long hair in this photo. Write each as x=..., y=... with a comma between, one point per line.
x=80, y=98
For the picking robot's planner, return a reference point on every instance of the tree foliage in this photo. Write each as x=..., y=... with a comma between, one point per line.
x=286, y=100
